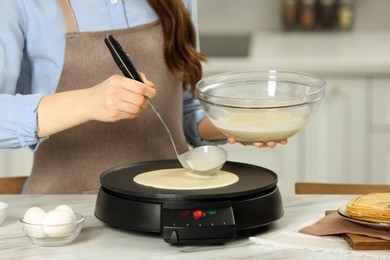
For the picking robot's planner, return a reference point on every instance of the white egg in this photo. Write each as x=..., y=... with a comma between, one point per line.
x=34, y=216
x=58, y=223
x=69, y=209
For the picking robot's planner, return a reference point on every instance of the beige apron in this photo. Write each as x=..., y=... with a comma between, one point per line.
x=71, y=161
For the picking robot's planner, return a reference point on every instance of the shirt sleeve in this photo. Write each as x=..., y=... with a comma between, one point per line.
x=193, y=114
x=18, y=119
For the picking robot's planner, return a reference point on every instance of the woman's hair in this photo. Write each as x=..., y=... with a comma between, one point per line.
x=180, y=53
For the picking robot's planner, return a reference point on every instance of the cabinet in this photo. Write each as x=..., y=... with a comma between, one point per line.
x=334, y=145
x=380, y=131
x=16, y=163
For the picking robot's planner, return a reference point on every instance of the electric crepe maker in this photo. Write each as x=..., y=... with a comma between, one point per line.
x=214, y=215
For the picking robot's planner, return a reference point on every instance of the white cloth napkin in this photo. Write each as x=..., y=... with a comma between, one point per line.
x=292, y=239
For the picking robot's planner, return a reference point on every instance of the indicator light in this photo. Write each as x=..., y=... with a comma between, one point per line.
x=197, y=214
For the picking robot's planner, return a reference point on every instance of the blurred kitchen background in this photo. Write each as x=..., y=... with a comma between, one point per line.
x=345, y=42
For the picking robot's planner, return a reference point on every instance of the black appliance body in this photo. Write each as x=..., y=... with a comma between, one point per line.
x=189, y=216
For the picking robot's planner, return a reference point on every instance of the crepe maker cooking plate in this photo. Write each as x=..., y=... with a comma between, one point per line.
x=189, y=216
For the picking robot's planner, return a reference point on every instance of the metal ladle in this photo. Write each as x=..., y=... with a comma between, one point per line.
x=203, y=160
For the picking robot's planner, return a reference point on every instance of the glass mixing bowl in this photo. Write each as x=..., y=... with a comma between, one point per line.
x=260, y=105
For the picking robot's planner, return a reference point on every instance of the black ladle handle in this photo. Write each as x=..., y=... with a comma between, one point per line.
x=121, y=58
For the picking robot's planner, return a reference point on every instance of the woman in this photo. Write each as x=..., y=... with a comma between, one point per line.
x=63, y=95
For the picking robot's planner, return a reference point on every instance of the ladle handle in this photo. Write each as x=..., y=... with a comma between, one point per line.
x=122, y=59
x=165, y=125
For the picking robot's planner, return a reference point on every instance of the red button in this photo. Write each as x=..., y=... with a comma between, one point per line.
x=198, y=214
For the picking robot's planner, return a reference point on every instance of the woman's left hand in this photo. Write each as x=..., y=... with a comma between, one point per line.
x=270, y=144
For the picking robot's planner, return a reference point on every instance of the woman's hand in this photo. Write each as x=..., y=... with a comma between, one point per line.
x=120, y=98
x=114, y=99
x=270, y=144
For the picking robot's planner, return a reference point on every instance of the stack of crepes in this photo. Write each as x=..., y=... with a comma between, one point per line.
x=373, y=207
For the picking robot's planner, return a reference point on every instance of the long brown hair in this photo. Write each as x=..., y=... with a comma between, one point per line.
x=180, y=52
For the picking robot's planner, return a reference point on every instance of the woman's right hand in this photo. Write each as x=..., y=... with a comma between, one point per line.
x=120, y=98
x=114, y=99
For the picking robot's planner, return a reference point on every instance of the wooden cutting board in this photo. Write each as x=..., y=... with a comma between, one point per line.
x=359, y=242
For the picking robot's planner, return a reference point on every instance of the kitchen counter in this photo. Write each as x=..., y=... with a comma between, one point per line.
x=98, y=241
x=330, y=53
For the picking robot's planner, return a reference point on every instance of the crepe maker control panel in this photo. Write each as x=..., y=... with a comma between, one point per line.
x=212, y=223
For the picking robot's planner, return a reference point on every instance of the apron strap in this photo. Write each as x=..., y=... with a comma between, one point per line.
x=69, y=18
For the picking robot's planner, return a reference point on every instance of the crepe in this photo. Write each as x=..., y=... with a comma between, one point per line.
x=181, y=179
x=371, y=207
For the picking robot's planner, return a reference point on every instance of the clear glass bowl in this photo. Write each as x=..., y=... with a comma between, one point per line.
x=260, y=105
x=53, y=235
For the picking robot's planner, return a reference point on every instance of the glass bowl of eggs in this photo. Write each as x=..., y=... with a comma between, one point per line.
x=260, y=105
x=57, y=227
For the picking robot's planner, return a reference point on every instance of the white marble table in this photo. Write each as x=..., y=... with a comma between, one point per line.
x=98, y=241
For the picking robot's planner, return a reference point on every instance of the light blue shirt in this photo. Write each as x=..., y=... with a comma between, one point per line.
x=32, y=46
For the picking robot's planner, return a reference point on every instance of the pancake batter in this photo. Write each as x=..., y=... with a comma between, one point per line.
x=268, y=126
x=181, y=179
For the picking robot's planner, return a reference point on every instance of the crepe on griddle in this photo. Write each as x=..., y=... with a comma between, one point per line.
x=371, y=207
